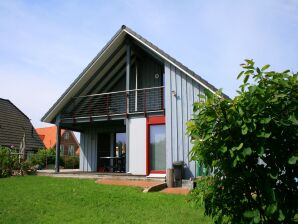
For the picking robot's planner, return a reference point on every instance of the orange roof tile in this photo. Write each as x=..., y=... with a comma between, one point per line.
x=48, y=135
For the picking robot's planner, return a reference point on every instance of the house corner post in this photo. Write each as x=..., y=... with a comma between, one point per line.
x=128, y=65
x=58, y=142
x=128, y=62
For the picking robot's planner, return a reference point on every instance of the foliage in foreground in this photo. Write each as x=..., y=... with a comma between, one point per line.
x=252, y=143
x=10, y=164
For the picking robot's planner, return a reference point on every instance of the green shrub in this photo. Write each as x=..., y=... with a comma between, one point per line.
x=203, y=188
x=6, y=162
x=251, y=142
x=71, y=162
x=43, y=157
x=10, y=164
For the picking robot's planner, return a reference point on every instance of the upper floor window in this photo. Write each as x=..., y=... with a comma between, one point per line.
x=66, y=135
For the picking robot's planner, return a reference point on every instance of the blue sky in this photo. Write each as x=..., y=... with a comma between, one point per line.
x=44, y=45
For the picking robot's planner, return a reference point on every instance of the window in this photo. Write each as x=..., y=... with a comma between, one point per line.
x=157, y=147
x=120, y=144
x=71, y=150
x=66, y=135
x=61, y=150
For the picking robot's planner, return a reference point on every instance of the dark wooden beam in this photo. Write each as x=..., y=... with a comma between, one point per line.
x=58, y=141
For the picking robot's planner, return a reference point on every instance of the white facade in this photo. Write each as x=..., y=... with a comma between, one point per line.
x=137, y=146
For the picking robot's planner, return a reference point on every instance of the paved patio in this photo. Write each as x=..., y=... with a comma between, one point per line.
x=149, y=184
x=135, y=183
x=176, y=190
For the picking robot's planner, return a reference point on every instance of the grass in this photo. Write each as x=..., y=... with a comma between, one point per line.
x=34, y=199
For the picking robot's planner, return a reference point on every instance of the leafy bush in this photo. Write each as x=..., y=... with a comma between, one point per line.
x=71, y=162
x=43, y=157
x=11, y=165
x=6, y=162
x=203, y=188
x=251, y=141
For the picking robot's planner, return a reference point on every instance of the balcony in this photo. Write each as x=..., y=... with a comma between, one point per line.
x=120, y=103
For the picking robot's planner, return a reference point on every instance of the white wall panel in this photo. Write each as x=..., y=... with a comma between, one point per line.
x=137, y=146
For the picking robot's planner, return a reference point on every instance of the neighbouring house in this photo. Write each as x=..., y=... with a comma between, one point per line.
x=16, y=129
x=69, y=145
x=131, y=105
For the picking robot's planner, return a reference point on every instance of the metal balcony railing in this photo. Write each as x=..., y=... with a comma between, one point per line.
x=117, y=103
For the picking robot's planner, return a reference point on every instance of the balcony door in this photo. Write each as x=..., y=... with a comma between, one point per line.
x=103, y=150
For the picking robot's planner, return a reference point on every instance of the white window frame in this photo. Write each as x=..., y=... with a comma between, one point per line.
x=66, y=135
x=71, y=150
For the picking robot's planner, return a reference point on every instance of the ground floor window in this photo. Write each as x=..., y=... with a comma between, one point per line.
x=61, y=150
x=120, y=144
x=71, y=150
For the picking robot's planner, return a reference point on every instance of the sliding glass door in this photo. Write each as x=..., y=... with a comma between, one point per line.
x=157, y=147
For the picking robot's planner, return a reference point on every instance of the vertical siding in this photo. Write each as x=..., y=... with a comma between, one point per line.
x=179, y=110
x=190, y=99
x=88, y=154
x=173, y=110
x=82, y=154
x=184, y=115
x=168, y=104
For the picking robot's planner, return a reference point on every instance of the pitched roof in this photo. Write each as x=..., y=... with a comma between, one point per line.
x=13, y=124
x=100, y=58
x=48, y=135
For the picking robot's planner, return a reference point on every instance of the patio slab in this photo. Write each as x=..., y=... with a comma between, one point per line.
x=145, y=184
x=176, y=190
x=69, y=173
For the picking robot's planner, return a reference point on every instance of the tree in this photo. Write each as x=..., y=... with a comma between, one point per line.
x=251, y=142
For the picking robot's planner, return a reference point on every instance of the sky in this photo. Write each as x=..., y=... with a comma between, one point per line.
x=44, y=45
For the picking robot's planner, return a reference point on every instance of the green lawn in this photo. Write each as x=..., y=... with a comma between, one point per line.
x=34, y=199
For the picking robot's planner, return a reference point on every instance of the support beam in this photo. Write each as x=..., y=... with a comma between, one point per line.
x=58, y=141
x=136, y=92
x=128, y=63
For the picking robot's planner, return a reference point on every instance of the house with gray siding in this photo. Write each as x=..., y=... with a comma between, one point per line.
x=131, y=105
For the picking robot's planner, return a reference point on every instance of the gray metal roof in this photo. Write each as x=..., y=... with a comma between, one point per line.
x=13, y=124
x=124, y=30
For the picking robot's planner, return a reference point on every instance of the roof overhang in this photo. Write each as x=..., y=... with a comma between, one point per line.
x=100, y=59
